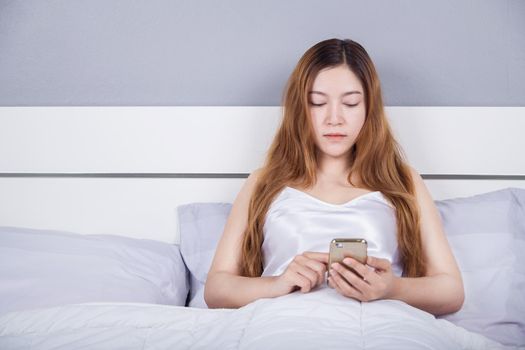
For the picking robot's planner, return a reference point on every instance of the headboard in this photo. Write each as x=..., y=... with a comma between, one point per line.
x=124, y=170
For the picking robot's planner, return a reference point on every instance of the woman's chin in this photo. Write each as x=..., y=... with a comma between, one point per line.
x=342, y=153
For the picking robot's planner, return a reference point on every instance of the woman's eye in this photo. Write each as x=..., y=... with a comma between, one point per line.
x=322, y=104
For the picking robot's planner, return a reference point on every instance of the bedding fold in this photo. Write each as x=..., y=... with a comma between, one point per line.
x=319, y=319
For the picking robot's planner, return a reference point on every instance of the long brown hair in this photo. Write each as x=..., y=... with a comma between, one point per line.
x=376, y=158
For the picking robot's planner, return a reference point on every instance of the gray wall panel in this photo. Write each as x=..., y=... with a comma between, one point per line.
x=238, y=52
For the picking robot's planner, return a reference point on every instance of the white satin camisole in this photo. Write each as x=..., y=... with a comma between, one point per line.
x=297, y=222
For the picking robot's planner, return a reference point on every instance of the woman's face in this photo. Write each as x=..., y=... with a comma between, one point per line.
x=337, y=107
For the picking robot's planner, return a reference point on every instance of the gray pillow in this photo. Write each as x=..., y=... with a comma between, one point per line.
x=44, y=268
x=201, y=226
x=486, y=233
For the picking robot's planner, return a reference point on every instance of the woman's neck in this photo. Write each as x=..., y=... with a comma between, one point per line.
x=332, y=170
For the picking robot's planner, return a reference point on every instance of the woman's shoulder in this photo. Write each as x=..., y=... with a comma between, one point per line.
x=417, y=180
x=257, y=172
x=413, y=172
x=254, y=176
x=251, y=182
x=422, y=193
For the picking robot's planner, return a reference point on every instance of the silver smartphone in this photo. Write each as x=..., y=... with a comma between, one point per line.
x=341, y=248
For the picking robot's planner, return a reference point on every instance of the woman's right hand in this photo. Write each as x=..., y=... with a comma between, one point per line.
x=305, y=272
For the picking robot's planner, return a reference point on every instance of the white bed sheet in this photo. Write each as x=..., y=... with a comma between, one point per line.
x=319, y=319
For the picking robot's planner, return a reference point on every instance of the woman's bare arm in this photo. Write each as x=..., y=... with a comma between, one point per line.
x=441, y=290
x=225, y=288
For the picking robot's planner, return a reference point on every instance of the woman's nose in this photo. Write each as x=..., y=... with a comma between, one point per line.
x=334, y=116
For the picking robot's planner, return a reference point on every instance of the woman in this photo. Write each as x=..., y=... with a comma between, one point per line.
x=334, y=170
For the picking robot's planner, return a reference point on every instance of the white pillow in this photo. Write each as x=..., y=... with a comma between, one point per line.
x=201, y=226
x=44, y=268
x=487, y=235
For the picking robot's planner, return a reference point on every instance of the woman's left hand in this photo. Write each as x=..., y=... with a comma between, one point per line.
x=377, y=281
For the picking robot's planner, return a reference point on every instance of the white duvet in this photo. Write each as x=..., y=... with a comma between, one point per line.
x=321, y=319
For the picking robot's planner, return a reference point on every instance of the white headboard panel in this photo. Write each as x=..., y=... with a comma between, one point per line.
x=222, y=140
x=124, y=170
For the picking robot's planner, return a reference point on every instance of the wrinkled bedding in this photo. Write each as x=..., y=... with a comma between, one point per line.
x=319, y=319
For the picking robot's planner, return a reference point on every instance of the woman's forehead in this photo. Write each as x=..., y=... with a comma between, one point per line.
x=339, y=78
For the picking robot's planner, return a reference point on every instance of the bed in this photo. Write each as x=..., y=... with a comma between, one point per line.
x=109, y=218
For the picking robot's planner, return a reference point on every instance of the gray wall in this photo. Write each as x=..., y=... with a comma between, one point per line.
x=123, y=52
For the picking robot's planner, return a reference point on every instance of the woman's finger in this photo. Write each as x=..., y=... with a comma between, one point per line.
x=318, y=267
x=378, y=263
x=343, y=286
x=301, y=267
x=304, y=284
x=355, y=280
x=358, y=267
x=314, y=265
x=321, y=257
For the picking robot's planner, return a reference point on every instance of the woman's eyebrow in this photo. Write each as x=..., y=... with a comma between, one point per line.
x=346, y=93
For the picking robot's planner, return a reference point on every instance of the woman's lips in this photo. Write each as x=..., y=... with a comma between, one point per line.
x=334, y=137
